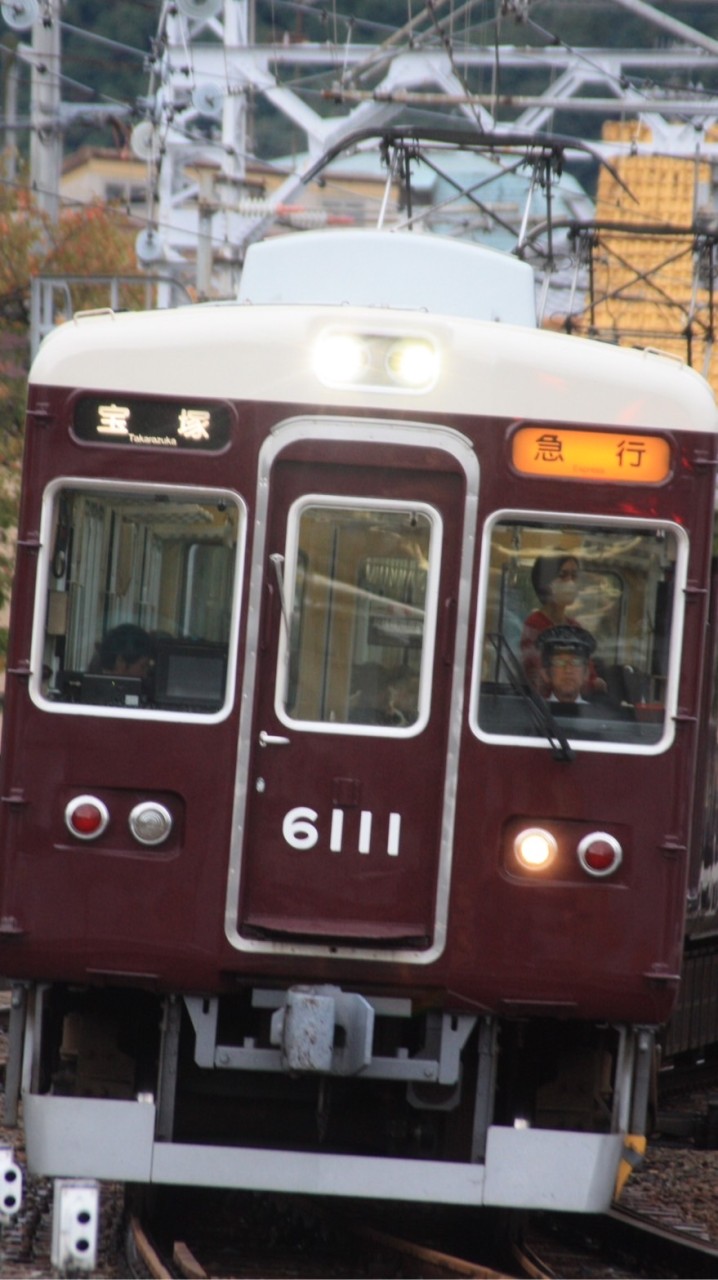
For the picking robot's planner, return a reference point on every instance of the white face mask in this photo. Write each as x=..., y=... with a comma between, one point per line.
x=564, y=590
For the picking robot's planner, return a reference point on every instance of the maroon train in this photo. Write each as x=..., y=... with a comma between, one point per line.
x=304, y=885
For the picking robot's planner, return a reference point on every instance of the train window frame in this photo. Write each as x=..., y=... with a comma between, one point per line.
x=567, y=520
x=293, y=557
x=44, y=587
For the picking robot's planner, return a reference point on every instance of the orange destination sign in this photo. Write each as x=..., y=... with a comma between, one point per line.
x=591, y=455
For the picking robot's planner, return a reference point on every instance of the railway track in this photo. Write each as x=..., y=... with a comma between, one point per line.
x=620, y=1243
x=590, y=1248
x=342, y=1247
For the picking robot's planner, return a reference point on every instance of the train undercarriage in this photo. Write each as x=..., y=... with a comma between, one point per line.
x=321, y=1091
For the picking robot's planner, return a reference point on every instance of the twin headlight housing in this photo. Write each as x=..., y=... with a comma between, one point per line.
x=345, y=359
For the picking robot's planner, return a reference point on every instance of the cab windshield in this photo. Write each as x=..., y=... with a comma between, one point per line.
x=579, y=624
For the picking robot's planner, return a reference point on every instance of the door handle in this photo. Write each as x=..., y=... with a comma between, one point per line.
x=272, y=739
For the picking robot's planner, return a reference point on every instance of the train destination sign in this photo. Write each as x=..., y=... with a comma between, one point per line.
x=623, y=456
x=159, y=423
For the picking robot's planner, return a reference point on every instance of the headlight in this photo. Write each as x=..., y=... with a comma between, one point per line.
x=340, y=359
x=535, y=848
x=413, y=363
x=375, y=361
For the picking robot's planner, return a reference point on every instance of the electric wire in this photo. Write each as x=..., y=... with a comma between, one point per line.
x=414, y=34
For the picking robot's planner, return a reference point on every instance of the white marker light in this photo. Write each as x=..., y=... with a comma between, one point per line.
x=150, y=822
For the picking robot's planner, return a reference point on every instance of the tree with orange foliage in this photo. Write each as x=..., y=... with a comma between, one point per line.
x=86, y=241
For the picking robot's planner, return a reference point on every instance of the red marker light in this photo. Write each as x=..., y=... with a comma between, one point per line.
x=600, y=854
x=86, y=817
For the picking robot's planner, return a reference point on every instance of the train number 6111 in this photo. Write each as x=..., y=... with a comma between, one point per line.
x=300, y=830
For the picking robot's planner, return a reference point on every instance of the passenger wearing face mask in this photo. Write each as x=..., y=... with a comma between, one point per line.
x=555, y=580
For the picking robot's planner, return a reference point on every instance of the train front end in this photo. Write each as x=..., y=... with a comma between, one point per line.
x=320, y=887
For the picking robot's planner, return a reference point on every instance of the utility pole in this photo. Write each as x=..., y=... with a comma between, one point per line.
x=43, y=58
x=46, y=131
x=11, y=87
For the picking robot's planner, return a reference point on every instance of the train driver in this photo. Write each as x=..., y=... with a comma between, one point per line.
x=565, y=655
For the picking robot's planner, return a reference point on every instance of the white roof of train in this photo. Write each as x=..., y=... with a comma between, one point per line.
x=261, y=350
x=410, y=271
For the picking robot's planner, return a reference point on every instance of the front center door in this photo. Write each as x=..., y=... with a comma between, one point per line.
x=345, y=830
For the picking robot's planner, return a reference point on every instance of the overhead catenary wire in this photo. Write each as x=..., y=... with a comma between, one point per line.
x=428, y=26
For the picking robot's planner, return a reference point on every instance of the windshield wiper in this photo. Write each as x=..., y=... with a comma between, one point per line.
x=538, y=708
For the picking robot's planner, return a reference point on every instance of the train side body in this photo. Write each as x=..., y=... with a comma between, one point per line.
x=309, y=878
